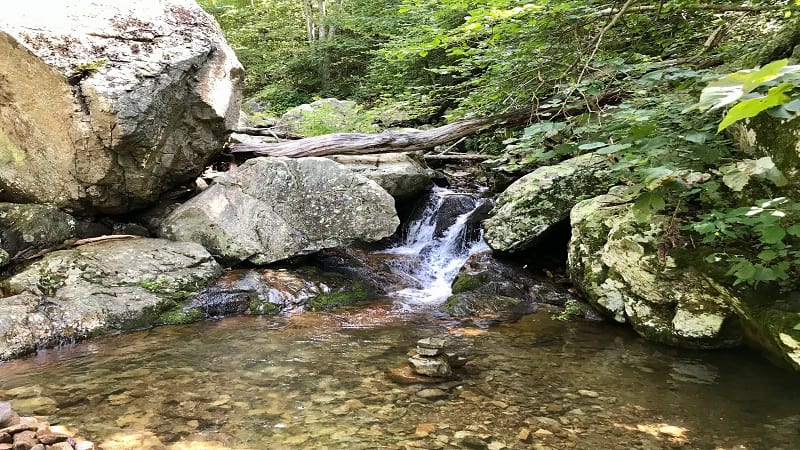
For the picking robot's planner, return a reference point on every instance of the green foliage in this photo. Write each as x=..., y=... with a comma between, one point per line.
x=774, y=88
x=572, y=310
x=769, y=230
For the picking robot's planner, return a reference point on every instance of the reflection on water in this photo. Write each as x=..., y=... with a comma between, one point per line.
x=317, y=381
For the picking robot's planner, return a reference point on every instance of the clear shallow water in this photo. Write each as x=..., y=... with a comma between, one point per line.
x=318, y=381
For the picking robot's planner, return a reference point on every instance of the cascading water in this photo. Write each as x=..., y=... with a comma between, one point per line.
x=436, y=242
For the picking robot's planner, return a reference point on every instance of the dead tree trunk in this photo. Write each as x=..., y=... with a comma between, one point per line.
x=408, y=140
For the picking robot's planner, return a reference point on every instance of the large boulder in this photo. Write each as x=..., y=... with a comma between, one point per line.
x=105, y=104
x=270, y=209
x=28, y=228
x=543, y=198
x=402, y=176
x=621, y=267
x=100, y=288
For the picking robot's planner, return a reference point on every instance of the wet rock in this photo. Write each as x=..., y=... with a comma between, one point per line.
x=99, y=288
x=474, y=443
x=270, y=209
x=406, y=375
x=402, y=176
x=491, y=288
x=432, y=367
x=430, y=346
x=431, y=394
x=144, y=97
x=542, y=199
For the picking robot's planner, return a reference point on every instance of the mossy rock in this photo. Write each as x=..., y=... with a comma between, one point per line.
x=355, y=293
x=469, y=282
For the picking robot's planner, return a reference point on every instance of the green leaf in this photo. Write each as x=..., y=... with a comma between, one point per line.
x=646, y=204
x=613, y=148
x=772, y=234
x=796, y=326
x=768, y=255
x=736, y=179
x=752, y=107
x=794, y=230
x=704, y=227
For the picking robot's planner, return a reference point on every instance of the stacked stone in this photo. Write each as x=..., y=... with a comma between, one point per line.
x=29, y=433
x=430, y=360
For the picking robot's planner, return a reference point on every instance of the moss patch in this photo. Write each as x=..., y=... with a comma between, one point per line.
x=466, y=282
x=357, y=292
x=179, y=315
x=262, y=307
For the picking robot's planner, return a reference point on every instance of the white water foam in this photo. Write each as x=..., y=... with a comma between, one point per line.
x=437, y=259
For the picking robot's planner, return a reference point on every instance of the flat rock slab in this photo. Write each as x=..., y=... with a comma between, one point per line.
x=98, y=288
x=270, y=209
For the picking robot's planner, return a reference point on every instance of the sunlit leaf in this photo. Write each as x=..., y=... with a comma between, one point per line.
x=752, y=107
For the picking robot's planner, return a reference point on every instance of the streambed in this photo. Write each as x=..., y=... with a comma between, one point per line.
x=317, y=380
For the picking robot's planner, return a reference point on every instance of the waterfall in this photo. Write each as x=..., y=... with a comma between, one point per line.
x=437, y=240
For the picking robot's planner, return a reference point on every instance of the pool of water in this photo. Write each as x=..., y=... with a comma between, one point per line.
x=318, y=380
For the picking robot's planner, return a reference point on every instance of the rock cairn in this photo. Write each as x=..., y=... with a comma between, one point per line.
x=29, y=433
x=430, y=359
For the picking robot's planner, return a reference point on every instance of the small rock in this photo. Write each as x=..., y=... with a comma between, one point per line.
x=432, y=342
x=354, y=404
x=550, y=424
x=51, y=438
x=406, y=375
x=671, y=430
x=84, y=445
x=456, y=361
x=588, y=393
x=38, y=447
x=431, y=394
x=554, y=408
x=25, y=440
x=432, y=367
x=497, y=445
x=425, y=429
x=499, y=404
x=422, y=351
x=6, y=446
x=60, y=446
x=524, y=434
x=341, y=410
x=474, y=443
x=541, y=432
x=7, y=415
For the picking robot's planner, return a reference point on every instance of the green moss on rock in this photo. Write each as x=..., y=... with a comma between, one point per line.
x=468, y=282
x=357, y=292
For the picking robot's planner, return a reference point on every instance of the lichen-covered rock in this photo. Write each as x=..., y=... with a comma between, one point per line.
x=779, y=139
x=99, y=288
x=28, y=228
x=616, y=262
x=270, y=209
x=402, y=176
x=543, y=198
x=105, y=104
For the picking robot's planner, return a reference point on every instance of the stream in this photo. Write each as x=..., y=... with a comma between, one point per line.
x=317, y=380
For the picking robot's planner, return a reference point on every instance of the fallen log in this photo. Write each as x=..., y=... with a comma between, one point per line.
x=275, y=132
x=458, y=157
x=392, y=141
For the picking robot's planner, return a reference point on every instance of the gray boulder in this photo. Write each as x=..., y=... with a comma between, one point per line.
x=402, y=176
x=29, y=228
x=619, y=265
x=106, y=104
x=270, y=209
x=543, y=198
x=100, y=288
